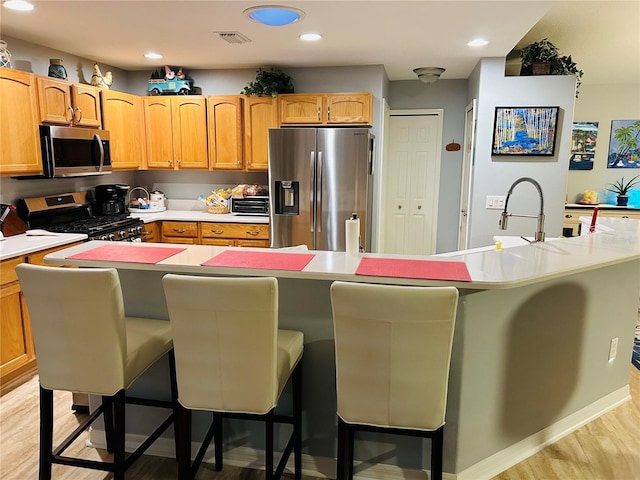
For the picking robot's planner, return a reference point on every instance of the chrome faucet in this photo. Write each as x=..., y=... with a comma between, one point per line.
x=539, y=237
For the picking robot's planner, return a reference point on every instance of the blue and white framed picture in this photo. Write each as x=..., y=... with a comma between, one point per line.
x=584, y=136
x=624, y=146
x=525, y=131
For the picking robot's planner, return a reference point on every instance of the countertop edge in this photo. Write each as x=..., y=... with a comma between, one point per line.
x=23, y=244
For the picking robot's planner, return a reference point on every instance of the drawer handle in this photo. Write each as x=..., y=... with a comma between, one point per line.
x=217, y=232
x=179, y=230
x=254, y=232
x=568, y=216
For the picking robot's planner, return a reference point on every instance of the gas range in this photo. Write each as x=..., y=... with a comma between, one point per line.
x=72, y=213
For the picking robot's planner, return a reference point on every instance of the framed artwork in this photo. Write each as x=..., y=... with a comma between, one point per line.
x=624, y=151
x=525, y=131
x=583, y=145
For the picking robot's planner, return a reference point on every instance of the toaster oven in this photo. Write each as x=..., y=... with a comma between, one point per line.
x=257, y=205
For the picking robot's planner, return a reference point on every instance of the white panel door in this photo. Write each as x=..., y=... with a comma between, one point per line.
x=412, y=171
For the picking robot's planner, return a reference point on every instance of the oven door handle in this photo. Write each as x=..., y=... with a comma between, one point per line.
x=96, y=138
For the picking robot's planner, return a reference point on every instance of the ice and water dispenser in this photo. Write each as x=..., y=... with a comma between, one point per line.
x=287, y=197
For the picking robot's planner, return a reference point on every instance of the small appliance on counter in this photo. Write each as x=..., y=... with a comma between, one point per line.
x=257, y=205
x=111, y=199
x=145, y=202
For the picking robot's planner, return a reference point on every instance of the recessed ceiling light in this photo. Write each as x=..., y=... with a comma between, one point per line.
x=310, y=37
x=274, y=15
x=20, y=5
x=478, y=42
x=153, y=55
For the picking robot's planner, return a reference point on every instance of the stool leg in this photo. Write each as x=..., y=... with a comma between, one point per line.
x=118, y=435
x=174, y=398
x=268, y=450
x=107, y=416
x=217, y=440
x=46, y=433
x=345, y=450
x=437, y=442
x=183, y=438
x=297, y=420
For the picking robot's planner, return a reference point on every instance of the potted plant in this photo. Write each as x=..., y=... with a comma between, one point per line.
x=621, y=189
x=543, y=58
x=269, y=82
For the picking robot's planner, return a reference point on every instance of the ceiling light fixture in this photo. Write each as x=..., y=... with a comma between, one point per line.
x=428, y=74
x=310, y=37
x=153, y=55
x=478, y=42
x=19, y=5
x=274, y=15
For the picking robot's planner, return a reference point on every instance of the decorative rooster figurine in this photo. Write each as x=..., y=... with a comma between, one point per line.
x=98, y=80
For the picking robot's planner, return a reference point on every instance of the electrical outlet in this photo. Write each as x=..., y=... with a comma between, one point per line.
x=495, y=202
x=613, y=348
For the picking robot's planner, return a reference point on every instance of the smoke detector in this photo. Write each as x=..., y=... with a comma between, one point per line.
x=428, y=74
x=233, y=37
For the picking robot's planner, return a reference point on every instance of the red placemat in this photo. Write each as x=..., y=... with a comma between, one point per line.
x=425, y=269
x=128, y=253
x=264, y=260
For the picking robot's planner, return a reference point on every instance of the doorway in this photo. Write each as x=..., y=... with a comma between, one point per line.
x=467, y=172
x=411, y=180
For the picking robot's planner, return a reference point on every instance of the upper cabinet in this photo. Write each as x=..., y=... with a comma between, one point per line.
x=260, y=114
x=326, y=109
x=224, y=118
x=65, y=103
x=123, y=117
x=176, y=130
x=19, y=134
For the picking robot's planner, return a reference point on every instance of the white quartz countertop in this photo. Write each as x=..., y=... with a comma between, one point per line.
x=198, y=216
x=24, y=244
x=488, y=268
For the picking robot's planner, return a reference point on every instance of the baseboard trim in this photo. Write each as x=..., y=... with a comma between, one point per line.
x=325, y=467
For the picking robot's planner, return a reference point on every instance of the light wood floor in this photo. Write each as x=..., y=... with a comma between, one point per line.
x=606, y=449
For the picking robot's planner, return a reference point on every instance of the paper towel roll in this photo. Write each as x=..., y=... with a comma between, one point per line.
x=352, y=234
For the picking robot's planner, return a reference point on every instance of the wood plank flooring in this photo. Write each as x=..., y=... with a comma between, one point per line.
x=606, y=449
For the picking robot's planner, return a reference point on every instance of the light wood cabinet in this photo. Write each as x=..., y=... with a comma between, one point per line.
x=224, y=123
x=180, y=232
x=260, y=114
x=326, y=109
x=176, y=130
x=123, y=117
x=152, y=232
x=65, y=103
x=234, y=234
x=19, y=133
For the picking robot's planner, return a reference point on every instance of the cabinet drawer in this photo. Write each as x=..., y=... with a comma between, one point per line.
x=235, y=230
x=7, y=269
x=180, y=229
x=37, y=258
x=220, y=242
x=253, y=243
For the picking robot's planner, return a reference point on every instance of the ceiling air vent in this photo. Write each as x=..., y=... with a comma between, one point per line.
x=233, y=37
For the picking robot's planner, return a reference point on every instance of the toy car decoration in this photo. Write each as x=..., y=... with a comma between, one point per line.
x=168, y=82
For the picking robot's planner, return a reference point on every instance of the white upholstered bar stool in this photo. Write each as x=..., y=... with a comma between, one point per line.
x=84, y=343
x=232, y=360
x=393, y=351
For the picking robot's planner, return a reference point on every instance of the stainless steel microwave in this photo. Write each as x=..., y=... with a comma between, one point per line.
x=74, y=151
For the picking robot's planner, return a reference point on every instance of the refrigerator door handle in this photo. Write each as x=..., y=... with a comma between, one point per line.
x=319, y=194
x=312, y=194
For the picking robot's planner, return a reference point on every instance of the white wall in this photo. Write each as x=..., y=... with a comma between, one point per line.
x=493, y=175
x=602, y=104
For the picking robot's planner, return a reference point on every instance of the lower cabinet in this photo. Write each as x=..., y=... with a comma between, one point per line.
x=180, y=232
x=17, y=353
x=234, y=234
x=152, y=232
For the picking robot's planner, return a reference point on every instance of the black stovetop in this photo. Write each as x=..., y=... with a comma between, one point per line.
x=95, y=225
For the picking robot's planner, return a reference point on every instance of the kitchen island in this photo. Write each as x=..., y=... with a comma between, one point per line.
x=530, y=359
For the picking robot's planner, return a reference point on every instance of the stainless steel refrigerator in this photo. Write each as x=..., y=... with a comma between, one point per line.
x=318, y=177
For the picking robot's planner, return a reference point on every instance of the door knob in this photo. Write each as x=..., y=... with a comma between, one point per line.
x=419, y=207
x=399, y=207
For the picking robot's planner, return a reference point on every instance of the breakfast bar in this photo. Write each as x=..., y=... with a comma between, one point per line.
x=531, y=353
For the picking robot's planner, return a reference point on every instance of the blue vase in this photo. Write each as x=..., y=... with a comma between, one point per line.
x=56, y=69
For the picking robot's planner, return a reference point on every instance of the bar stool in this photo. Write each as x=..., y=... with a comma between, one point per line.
x=84, y=343
x=232, y=360
x=393, y=350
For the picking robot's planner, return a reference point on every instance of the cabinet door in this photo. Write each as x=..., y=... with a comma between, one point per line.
x=152, y=232
x=158, y=129
x=54, y=100
x=123, y=117
x=19, y=134
x=85, y=100
x=224, y=122
x=296, y=109
x=253, y=243
x=350, y=108
x=189, y=122
x=260, y=114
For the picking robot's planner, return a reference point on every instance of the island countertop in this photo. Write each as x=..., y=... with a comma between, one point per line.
x=23, y=244
x=488, y=268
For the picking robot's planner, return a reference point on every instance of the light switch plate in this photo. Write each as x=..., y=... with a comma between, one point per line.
x=495, y=202
x=613, y=348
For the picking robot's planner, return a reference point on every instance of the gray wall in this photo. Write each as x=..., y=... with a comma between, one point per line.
x=449, y=95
